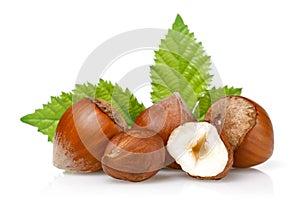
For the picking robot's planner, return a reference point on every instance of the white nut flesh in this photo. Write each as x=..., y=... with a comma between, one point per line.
x=198, y=149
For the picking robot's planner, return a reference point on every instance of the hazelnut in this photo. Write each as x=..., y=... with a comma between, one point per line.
x=134, y=155
x=82, y=134
x=163, y=117
x=200, y=151
x=247, y=127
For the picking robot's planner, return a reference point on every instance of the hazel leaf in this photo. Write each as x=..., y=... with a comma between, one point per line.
x=47, y=117
x=210, y=96
x=181, y=65
x=122, y=100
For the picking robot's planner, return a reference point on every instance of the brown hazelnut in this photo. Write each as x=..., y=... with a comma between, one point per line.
x=247, y=127
x=163, y=117
x=83, y=133
x=134, y=155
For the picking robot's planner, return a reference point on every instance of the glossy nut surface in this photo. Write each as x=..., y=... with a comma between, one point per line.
x=83, y=133
x=163, y=117
x=134, y=155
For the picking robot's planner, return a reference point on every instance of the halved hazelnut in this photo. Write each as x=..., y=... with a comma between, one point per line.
x=247, y=127
x=200, y=151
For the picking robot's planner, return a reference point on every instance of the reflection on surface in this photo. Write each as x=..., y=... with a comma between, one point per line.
x=253, y=181
x=167, y=182
x=239, y=182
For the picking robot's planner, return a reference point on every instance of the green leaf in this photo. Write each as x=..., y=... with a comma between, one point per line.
x=47, y=118
x=210, y=96
x=122, y=100
x=84, y=90
x=181, y=65
x=217, y=93
x=165, y=81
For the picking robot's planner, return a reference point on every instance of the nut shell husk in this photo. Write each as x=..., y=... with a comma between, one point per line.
x=134, y=155
x=256, y=145
x=83, y=133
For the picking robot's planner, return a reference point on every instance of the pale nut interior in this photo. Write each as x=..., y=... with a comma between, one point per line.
x=198, y=149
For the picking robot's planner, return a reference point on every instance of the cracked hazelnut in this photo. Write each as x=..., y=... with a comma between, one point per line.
x=247, y=127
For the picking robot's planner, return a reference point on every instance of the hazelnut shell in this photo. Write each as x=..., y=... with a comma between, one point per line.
x=256, y=144
x=163, y=117
x=134, y=155
x=82, y=134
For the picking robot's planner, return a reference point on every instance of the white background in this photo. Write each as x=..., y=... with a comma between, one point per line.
x=43, y=44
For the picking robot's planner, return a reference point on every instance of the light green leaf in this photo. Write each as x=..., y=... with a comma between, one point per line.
x=210, y=96
x=84, y=90
x=165, y=81
x=181, y=65
x=47, y=118
x=122, y=100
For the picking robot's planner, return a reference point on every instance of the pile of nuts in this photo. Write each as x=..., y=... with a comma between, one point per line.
x=93, y=136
